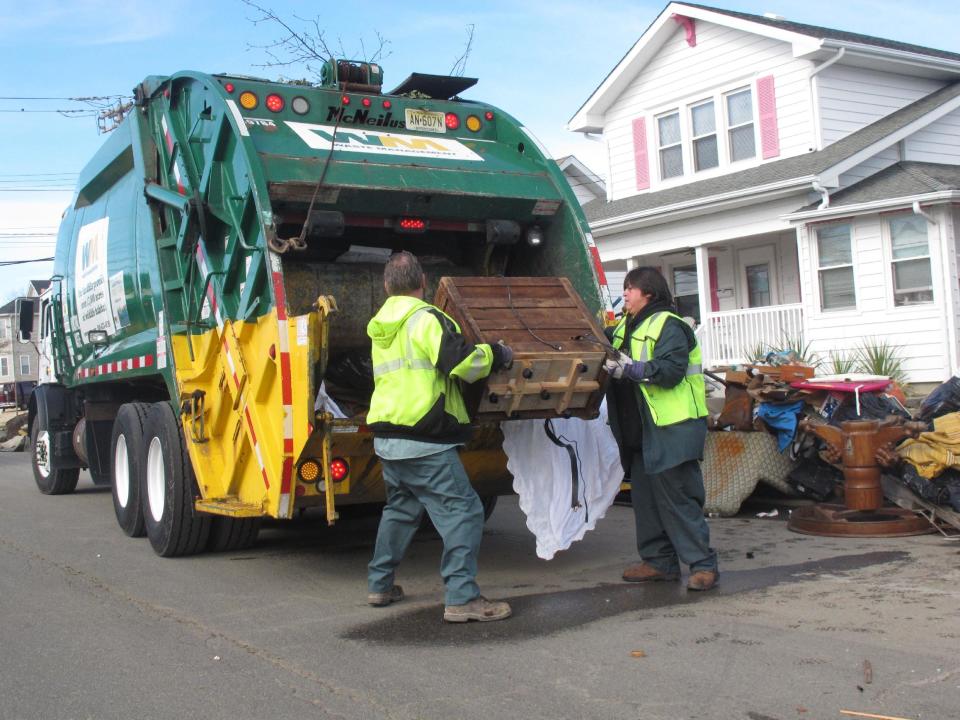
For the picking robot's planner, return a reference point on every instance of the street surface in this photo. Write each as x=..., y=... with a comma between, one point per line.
x=94, y=626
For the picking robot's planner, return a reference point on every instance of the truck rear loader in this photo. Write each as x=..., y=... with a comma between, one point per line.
x=218, y=265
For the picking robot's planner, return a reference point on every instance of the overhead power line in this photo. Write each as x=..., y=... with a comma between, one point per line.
x=5, y=263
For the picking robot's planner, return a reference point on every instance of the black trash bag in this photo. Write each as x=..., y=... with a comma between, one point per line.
x=942, y=490
x=349, y=380
x=815, y=479
x=943, y=399
x=873, y=406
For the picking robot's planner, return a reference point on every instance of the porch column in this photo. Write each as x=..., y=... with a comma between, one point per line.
x=703, y=282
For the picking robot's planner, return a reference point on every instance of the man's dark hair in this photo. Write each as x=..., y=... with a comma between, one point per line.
x=402, y=274
x=649, y=281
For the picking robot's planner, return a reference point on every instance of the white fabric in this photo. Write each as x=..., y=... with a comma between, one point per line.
x=541, y=477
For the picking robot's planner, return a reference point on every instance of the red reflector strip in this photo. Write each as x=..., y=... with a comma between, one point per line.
x=135, y=363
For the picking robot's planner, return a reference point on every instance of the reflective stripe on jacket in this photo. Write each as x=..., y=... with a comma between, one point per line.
x=684, y=401
x=419, y=359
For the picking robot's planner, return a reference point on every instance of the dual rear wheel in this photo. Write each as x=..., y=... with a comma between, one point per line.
x=154, y=487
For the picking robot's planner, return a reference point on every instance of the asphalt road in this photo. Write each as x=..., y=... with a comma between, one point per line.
x=94, y=626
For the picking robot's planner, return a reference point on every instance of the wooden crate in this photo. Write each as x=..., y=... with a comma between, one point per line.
x=558, y=346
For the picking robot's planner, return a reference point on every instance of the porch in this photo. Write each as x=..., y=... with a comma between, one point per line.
x=740, y=295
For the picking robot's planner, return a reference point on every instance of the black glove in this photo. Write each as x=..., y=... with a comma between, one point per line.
x=502, y=356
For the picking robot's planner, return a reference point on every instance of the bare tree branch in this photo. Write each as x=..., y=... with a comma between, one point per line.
x=460, y=66
x=309, y=47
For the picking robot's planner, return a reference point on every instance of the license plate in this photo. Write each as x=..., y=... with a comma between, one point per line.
x=425, y=121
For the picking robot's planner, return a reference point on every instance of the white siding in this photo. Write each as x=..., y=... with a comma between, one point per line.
x=878, y=162
x=722, y=60
x=939, y=142
x=920, y=331
x=851, y=98
x=583, y=194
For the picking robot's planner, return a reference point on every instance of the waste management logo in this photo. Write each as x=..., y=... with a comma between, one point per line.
x=321, y=137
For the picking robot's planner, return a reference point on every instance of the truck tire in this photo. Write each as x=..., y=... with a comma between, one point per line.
x=168, y=487
x=229, y=534
x=50, y=481
x=126, y=450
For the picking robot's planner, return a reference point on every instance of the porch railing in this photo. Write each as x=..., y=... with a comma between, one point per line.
x=730, y=337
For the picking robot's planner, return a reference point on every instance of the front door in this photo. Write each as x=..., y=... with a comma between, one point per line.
x=758, y=276
x=686, y=294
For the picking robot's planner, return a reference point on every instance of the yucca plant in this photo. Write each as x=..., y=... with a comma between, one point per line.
x=881, y=357
x=756, y=353
x=839, y=363
x=801, y=349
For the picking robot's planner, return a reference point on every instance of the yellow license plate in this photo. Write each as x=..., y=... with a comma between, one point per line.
x=425, y=121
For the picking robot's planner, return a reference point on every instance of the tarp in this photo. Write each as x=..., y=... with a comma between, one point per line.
x=541, y=477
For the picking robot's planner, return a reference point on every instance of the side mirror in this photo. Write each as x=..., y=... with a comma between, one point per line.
x=97, y=338
x=24, y=309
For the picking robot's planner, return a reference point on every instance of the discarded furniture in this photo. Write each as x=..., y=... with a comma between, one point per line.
x=860, y=447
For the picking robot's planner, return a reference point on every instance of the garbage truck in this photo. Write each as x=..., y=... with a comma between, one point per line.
x=218, y=264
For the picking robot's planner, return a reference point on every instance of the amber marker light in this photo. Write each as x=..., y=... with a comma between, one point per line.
x=248, y=101
x=310, y=470
x=472, y=123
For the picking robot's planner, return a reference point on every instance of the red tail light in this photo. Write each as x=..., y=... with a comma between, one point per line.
x=339, y=469
x=488, y=115
x=229, y=87
x=274, y=103
x=452, y=121
x=365, y=102
x=411, y=225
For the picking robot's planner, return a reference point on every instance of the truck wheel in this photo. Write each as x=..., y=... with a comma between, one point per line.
x=168, y=487
x=228, y=534
x=51, y=482
x=126, y=448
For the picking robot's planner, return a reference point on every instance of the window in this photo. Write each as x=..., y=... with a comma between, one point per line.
x=24, y=364
x=3, y=329
x=686, y=292
x=703, y=122
x=758, y=285
x=4, y=366
x=671, y=151
x=740, y=135
x=910, y=261
x=835, y=257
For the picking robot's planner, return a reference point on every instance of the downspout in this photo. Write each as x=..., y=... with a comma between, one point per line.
x=824, y=195
x=949, y=316
x=814, y=106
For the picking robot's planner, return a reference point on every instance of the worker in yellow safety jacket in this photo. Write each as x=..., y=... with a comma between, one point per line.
x=419, y=419
x=657, y=408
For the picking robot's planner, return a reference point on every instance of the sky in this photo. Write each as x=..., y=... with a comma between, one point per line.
x=538, y=60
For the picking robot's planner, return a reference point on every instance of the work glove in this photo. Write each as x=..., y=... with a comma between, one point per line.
x=502, y=356
x=616, y=365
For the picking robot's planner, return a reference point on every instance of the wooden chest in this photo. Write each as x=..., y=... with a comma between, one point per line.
x=558, y=346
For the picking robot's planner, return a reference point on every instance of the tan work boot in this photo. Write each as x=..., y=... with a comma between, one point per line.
x=394, y=594
x=703, y=580
x=479, y=609
x=644, y=572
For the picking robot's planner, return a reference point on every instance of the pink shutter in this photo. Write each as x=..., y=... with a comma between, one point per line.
x=714, y=297
x=767, y=106
x=640, y=156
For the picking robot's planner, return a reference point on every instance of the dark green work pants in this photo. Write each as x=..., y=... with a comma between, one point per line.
x=439, y=484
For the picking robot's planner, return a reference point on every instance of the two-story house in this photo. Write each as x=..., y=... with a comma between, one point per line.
x=19, y=361
x=788, y=180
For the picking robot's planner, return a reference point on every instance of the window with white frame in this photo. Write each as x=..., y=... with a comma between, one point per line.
x=703, y=127
x=835, y=261
x=4, y=366
x=24, y=364
x=670, y=144
x=910, y=260
x=3, y=329
x=741, y=140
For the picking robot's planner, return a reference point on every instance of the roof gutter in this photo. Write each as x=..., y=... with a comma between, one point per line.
x=906, y=57
x=865, y=207
x=824, y=195
x=700, y=203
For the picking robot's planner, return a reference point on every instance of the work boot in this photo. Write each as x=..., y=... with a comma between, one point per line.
x=644, y=572
x=394, y=594
x=479, y=609
x=703, y=580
